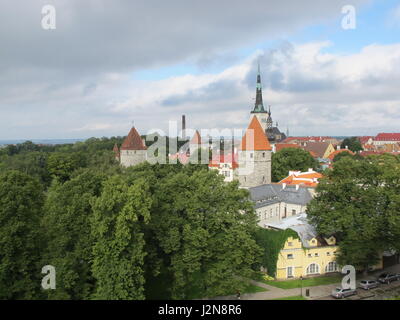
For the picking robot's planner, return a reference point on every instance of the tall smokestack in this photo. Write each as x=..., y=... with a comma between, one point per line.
x=183, y=127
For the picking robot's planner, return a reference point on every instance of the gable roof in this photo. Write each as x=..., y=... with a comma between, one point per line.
x=133, y=141
x=255, y=131
x=318, y=148
x=268, y=194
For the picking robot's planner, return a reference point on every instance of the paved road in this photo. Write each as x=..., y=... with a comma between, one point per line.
x=317, y=292
x=383, y=291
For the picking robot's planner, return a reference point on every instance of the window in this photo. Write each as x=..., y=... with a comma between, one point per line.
x=313, y=269
x=290, y=244
x=290, y=256
x=290, y=272
x=316, y=255
x=331, y=267
x=328, y=253
x=263, y=154
x=251, y=155
x=309, y=255
x=293, y=212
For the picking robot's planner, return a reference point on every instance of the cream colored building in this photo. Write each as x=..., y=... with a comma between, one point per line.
x=309, y=254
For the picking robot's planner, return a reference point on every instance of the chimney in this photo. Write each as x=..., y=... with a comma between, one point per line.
x=183, y=127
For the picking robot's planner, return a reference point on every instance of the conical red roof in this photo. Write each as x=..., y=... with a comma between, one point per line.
x=196, y=138
x=260, y=139
x=133, y=141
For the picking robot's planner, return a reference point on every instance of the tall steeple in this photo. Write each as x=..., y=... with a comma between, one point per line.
x=259, y=106
x=269, y=119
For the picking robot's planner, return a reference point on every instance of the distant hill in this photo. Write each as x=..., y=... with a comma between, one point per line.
x=41, y=141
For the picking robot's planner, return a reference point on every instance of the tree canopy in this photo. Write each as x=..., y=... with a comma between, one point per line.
x=352, y=144
x=290, y=159
x=358, y=202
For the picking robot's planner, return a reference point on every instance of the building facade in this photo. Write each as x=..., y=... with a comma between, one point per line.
x=275, y=202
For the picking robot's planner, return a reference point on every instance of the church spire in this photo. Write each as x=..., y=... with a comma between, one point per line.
x=259, y=106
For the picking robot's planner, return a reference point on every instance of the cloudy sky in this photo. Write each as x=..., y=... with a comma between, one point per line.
x=109, y=63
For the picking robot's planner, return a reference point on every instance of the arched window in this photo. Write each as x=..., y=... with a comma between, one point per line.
x=313, y=268
x=331, y=267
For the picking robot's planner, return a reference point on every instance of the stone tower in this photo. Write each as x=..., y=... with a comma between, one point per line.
x=254, y=157
x=259, y=111
x=133, y=151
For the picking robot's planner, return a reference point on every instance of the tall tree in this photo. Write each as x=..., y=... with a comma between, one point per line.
x=352, y=144
x=118, y=251
x=359, y=201
x=202, y=229
x=21, y=200
x=66, y=223
x=289, y=159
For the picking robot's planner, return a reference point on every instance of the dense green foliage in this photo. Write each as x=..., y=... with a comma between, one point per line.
x=345, y=154
x=352, y=143
x=272, y=242
x=21, y=200
x=145, y=232
x=359, y=202
x=290, y=159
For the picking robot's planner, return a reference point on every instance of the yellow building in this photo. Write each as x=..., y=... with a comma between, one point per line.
x=307, y=257
x=309, y=254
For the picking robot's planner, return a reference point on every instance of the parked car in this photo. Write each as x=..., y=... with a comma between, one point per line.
x=388, y=277
x=340, y=293
x=368, y=284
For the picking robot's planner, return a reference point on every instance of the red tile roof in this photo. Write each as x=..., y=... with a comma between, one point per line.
x=304, y=139
x=387, y=137
x=133, y=141
x=256, y=133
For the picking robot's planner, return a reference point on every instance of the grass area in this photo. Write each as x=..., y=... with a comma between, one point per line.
x=251, y=288
x=308, y=282
x=291, y=298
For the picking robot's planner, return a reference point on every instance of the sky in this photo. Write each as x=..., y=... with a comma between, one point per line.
x=110, y=64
